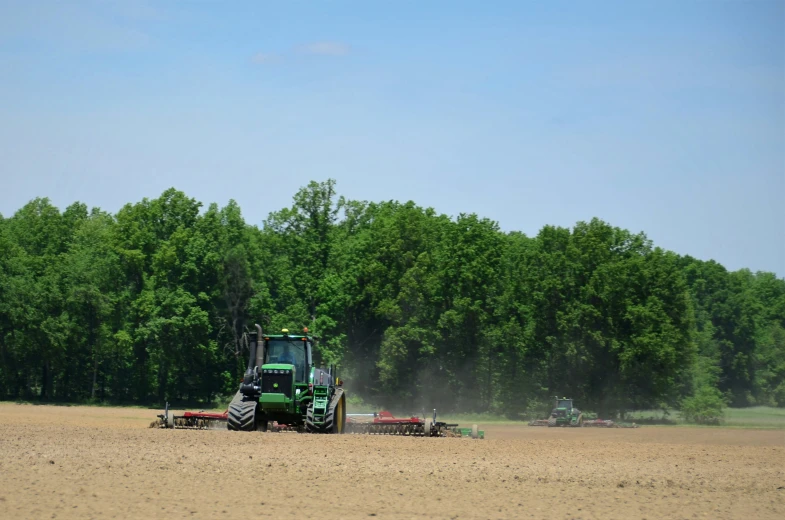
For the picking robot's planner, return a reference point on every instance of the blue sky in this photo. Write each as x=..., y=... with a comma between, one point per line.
x=662, y=117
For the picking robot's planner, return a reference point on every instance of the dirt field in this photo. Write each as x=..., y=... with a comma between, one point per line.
x=79, y=462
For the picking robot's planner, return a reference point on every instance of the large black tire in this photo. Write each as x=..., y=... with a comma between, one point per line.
x=334, y=420
x=310, y=427
x=242, y=414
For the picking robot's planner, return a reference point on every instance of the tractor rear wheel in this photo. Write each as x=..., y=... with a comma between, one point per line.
x=551, y=422
x=335, y=420
x=242, y=414
x=310, y=427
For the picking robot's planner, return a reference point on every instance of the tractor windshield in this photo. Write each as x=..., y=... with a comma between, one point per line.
x=564, y=403
x=289, y=351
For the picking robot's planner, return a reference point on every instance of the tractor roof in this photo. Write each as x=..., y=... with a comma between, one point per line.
x=290, y=336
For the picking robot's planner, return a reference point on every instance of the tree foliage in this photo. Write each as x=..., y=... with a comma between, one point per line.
x=421, y=310
x=707, y=406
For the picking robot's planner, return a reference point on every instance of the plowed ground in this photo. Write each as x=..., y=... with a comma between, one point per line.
x=80, y=462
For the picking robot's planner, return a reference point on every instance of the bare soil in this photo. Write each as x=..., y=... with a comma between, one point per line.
x=85, y=462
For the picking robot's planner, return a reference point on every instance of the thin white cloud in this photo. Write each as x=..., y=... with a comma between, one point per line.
x=264, y=57
x=314, y=49
x=325, y=48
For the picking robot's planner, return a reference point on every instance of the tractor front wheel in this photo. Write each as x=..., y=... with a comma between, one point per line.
x=243, y=415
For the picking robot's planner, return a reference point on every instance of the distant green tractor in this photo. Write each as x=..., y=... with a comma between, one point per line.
x=282, y=385
x=564, y=414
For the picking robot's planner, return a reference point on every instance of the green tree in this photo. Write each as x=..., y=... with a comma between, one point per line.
x=420, y=309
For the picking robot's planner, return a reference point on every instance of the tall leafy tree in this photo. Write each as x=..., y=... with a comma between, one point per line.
x=421, y=310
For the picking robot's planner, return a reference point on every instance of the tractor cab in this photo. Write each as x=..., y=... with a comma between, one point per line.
x=564, y=413
x=562, y=407
x=286, y=349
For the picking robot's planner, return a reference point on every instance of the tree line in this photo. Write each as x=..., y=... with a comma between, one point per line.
x=420, y=310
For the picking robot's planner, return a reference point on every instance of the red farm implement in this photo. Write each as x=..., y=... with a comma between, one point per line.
x=200, y=420
x=379, y=423
x=384, y=423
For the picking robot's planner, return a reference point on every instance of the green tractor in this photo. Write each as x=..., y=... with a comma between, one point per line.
x=564, y=414
x=282, y=385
